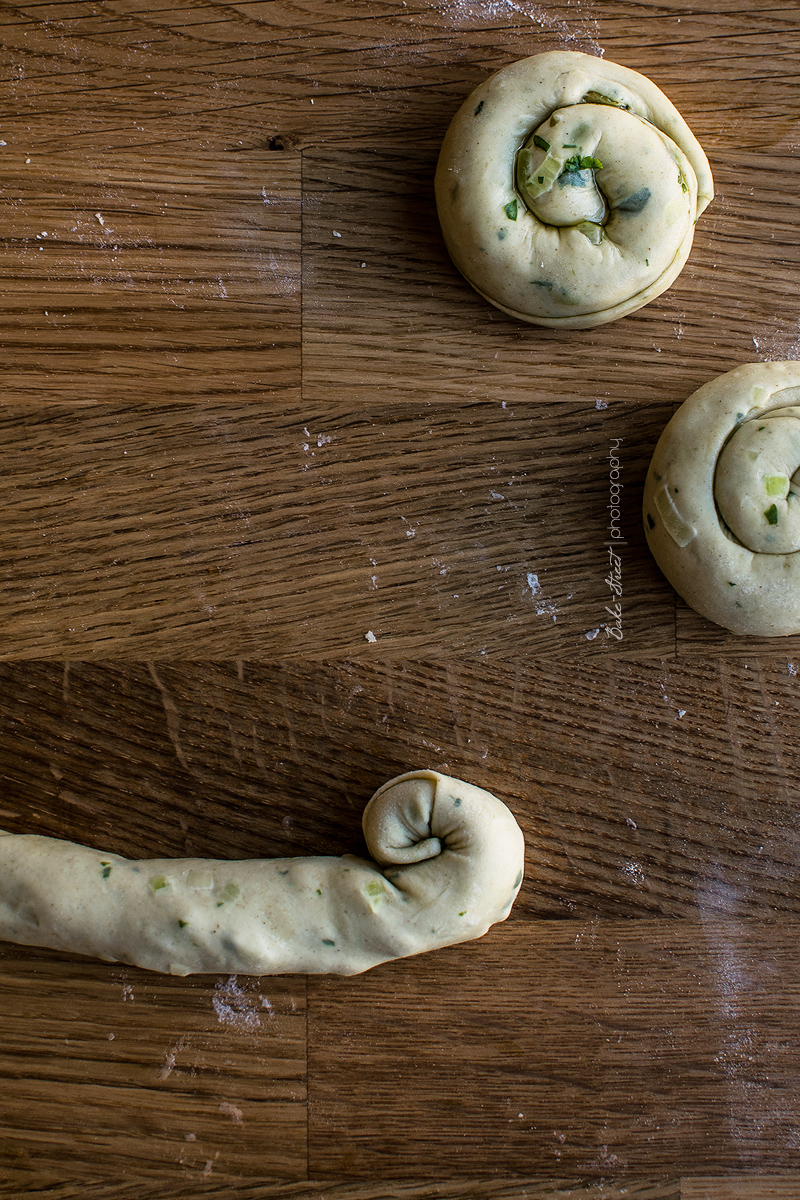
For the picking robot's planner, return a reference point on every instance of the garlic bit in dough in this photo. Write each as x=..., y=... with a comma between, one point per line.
x=448, y=863
x=722, y=500
x=568, y=188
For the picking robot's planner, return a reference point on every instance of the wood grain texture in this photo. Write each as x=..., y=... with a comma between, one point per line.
x=320, y=531
x=638, y=1008
x=258, y=432
x=671, y=1046
x=132, y=278
x=231, y=206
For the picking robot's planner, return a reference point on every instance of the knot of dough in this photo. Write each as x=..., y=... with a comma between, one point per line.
x=757, y=483
x=568, y=188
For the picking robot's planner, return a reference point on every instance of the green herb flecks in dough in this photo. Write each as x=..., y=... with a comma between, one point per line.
x=229, y=893
x=635, y=202
x=776, y=485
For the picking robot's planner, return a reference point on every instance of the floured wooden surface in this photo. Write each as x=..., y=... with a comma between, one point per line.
x=250, y=411
x=635, y=1018
x=249, y=405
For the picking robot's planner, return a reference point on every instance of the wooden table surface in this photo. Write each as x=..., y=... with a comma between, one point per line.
x=288, y=509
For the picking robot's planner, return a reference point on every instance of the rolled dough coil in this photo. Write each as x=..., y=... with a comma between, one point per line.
x=568, y=189
x=722, y=499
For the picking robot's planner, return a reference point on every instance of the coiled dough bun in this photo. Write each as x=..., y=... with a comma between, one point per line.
x=448, y=864
x=722, y=499
x=568, y=188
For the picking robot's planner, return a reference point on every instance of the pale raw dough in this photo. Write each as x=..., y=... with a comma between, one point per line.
x=722, y=499
x=596, y=243
x=450, y=861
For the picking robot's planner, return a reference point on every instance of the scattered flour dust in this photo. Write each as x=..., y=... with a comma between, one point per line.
x=544, y=606
x=780, y=347
x=234, y=1007
x=230, y=1110
x=632, y=871
x=465, y=13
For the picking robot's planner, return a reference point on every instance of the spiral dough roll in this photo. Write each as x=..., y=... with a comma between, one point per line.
x=448, y=862
x=722, y=499
x=568, y=188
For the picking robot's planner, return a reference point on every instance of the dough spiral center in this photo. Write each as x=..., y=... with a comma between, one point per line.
x=757, y=482
x=556, y=173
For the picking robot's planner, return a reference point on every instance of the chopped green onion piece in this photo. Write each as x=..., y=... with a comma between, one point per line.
x=677, y=527
x=776, y=485
x=547, y=172
x=480, y=106
x=771, y=514
x=229, y=892
x=106, y=871
x=540, y=142
x=510, y=209
x=599, y=98
x=591, y=231
x=157, y=882
x=182, y=924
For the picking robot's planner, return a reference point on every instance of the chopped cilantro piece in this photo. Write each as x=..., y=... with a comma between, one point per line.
x=587, y=163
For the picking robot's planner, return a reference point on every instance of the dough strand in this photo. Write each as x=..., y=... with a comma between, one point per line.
x=448, y=864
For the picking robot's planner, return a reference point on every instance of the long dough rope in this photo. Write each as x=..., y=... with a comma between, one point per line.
x=448, y=865
x=722, y=499
x=568, y=188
